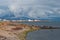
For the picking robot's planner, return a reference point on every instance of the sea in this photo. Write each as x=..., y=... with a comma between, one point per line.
x=44, y=34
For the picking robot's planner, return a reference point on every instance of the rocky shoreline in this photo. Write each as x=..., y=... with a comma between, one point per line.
x=15, y=31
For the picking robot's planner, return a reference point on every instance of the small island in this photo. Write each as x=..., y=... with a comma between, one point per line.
x=10, y=30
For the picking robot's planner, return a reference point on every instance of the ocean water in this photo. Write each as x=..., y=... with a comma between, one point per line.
x=52, y=23
x=44, y=35
x=53, y=34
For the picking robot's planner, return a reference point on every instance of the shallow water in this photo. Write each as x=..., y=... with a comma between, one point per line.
x=44, y=35
x=54, y=24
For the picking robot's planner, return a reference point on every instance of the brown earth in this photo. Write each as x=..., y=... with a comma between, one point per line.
x=15, y=31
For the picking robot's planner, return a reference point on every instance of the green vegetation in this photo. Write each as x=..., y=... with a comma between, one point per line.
x=16, y=31
x=22, y=35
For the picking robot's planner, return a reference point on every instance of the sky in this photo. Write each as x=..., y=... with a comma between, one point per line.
x=37, y=9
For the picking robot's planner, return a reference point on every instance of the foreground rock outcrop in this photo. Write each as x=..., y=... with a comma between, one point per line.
x=10, y=30
x=15, y=31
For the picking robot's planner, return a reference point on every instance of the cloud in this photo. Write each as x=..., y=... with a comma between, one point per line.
x=28, y=7
x=2, y=12
x=20, y=8
x=33, y=8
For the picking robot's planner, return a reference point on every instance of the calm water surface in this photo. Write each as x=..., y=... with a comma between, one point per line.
x=54, y=24
x=44, y=34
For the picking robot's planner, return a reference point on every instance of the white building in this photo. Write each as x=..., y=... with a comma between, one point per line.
x=30, y=20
